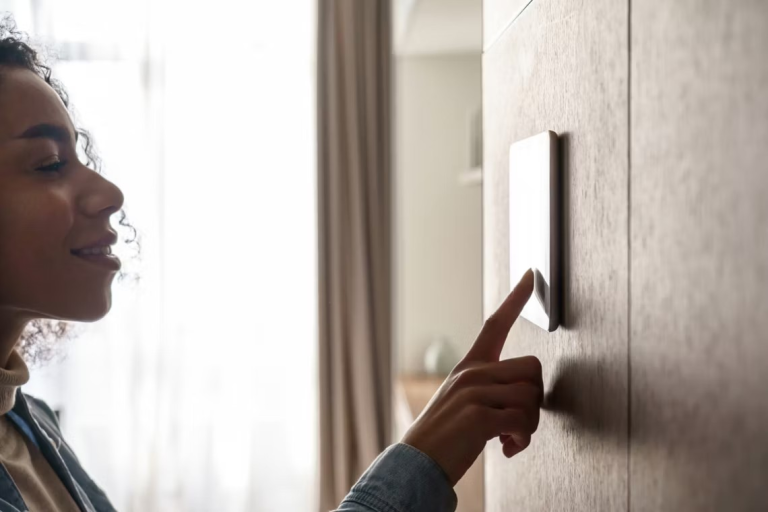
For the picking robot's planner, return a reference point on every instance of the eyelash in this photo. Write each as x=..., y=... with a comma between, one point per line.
x=54, y=167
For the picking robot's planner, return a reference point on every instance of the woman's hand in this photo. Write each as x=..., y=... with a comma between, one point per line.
x=483, y=397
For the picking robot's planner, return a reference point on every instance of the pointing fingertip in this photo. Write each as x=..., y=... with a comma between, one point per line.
x=526, y=281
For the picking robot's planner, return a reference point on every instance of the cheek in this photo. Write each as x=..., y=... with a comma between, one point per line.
x=33, y=243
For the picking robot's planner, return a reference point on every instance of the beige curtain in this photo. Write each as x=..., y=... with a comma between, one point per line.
x=354, y=183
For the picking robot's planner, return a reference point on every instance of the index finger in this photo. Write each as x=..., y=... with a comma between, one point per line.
x=490, y=341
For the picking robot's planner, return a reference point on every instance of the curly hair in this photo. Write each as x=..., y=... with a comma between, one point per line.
x=39, y=341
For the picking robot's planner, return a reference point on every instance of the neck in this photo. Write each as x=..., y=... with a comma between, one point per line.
x=13, y=370
x=14, y=374
x=11, y=328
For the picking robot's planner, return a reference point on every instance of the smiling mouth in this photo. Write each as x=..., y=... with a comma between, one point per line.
x=99, y=256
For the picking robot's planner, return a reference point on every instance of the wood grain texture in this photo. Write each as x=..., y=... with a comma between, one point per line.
x=699, y=256
x=497, y=15
x=563, y=66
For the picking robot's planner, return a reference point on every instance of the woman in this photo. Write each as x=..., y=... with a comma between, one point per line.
x=56, y=264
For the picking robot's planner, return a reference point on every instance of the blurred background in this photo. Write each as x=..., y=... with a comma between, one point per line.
x=437, y=231
x=203, y=388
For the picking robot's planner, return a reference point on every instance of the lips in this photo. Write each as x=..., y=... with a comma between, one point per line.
x=99, y=252
x=107, y=239
x=104, y=250
x=106, y=261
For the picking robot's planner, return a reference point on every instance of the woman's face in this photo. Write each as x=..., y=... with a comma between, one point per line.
x=50, y=205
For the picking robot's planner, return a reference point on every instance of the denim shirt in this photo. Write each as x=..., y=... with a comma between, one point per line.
x=401, y=479
x=38, y=422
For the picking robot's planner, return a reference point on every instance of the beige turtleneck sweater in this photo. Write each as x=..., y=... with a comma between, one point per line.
x=38, y=483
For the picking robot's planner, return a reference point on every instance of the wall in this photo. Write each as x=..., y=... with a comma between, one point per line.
x=656, y=381
x=699, y=267
x=437, y=222
x=541, y=74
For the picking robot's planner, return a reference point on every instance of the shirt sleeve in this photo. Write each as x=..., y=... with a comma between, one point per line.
x=401, y=479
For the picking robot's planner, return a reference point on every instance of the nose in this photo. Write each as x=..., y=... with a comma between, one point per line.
x=100, y=197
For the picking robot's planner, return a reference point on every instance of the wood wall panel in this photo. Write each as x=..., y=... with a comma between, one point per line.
x=563, y=66
x=699, y=256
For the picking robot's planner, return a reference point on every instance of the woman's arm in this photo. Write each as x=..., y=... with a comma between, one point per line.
x=401, y=479
x=483, y=398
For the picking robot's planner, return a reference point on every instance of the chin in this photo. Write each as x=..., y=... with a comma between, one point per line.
x=97, y=313
x=86, y=310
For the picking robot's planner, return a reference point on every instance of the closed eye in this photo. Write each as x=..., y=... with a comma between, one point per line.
x=53, y=167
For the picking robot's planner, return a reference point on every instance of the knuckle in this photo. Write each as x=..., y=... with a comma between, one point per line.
x=531, y=393
x=463, y=378
x=524, y=421
x=534, y=363
x=466, y=377
x=523, y=394
x=513, y=420
x=528, y=420
x=460, y=366
x=535, y=421
x=459, y=380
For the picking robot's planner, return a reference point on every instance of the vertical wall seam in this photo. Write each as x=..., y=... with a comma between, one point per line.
x=629, y=254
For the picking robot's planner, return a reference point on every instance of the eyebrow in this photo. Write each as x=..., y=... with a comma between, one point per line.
x=48, y=131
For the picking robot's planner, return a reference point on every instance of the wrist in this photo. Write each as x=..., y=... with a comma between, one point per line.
x=425, y=448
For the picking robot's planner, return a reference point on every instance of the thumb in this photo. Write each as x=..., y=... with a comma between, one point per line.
x=490, y=341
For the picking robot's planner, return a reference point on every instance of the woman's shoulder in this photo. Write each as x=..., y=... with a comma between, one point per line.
x=48, y=421
x=42, y=412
